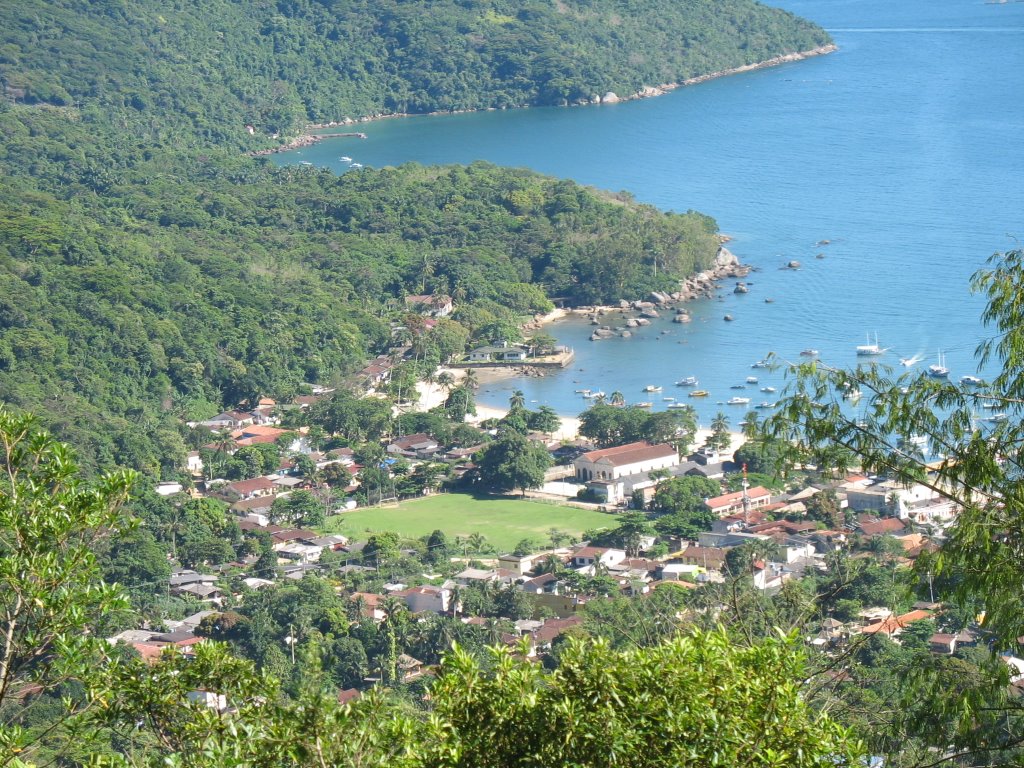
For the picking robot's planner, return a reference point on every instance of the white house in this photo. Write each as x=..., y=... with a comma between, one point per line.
x=503, y=354
x=623, y=460
x=427, y=598
x=605, y=556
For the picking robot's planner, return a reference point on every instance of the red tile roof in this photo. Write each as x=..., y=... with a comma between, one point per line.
x=728, y=499
x=887, y=525
x=631, y=453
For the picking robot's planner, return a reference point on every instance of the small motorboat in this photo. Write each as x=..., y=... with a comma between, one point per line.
x=751, y=379
x=737, y=401
x=699, y=393
x=688, y=381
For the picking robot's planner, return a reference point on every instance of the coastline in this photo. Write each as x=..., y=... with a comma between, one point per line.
x=308, y=138
x=432, y=395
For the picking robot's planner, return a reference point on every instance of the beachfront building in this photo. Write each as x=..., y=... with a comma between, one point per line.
x=623, y=460
x=506, y=353
x=612, y=474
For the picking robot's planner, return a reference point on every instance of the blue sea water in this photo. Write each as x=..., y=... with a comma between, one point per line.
x=903, y=149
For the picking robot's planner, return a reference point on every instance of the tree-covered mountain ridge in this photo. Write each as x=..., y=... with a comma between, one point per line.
x=212, y=68
x=152, y=272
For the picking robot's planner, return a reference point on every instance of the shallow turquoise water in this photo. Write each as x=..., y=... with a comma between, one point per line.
x=903, y=149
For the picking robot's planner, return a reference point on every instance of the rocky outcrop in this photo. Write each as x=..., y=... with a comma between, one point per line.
x=702, y=285
x=610, y=98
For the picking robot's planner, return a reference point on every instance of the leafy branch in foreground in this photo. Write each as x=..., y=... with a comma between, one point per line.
x=980, y=468
x=50, y=585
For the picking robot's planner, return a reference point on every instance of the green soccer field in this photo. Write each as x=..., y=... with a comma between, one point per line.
x=505, y=522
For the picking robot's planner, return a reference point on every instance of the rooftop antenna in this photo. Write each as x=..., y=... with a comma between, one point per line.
x=746, y=498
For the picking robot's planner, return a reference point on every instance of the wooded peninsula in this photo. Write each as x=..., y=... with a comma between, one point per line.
x=153, y=273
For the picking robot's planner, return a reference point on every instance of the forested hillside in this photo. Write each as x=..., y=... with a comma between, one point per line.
x=153, y=273
x=140, y=290
x=209, y=68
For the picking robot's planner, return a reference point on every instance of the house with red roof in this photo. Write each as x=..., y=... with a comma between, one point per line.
x=733, y=503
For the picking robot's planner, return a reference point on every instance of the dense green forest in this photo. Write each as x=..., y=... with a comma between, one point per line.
x=143, y=290
x=153, y=273
x=209, y=68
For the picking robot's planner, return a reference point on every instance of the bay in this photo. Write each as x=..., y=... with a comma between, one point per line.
x=903, y=149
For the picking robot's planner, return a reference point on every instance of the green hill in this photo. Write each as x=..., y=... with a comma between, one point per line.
x=152, y=272
x=209, y=68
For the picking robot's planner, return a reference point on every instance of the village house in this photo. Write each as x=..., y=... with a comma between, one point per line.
x=427, y=304
x=228, y=420
x=871, y=526
x=249, y=489
x=427, y=599
x=735, y=504
x=506, y=353
x=420, y=445
x=589, y=556
x=710, y=558
x=894, y=625
x=193, y=463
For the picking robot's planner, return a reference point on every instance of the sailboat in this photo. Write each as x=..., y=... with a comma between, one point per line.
x=939, y=370
x=869, y=349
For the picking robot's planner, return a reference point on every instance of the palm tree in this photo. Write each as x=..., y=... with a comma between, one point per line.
x=470, y=380
x=720, y=432
x=599, y=398
x=517, y=401
x=446, y=381
x=752, y=425
x=617, y=398
x=477, y=542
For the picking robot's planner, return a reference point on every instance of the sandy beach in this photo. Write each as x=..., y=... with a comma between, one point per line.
x=432, y=395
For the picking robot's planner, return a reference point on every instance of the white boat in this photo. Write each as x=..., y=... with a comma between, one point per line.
x=688, y=381
x=939, y=370
x=668, y=399
x=676, y=406
x=345, y=159
x=751, y=379
x=995, y=418
x=869, y=349
x=809, y=352
x=652, y=388
x=971, y=381
x=304, y=162
x=765, y=404
x=914, y=442
x=584, y=392
x=759, y=364
x=852, y=394
x=737, y=401
x=768, y=389
x=356, y=165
